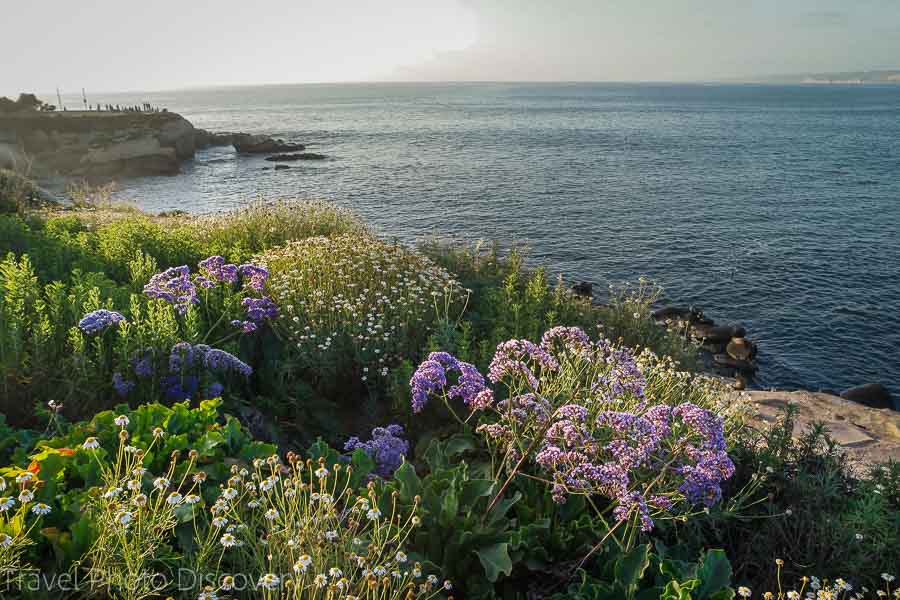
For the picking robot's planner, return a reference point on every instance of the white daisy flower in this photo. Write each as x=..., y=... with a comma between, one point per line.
x=40, y=509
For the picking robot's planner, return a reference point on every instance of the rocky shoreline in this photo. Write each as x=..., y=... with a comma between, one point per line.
x=121, y=144
x=726, y=352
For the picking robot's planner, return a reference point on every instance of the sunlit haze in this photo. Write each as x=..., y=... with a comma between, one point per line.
x=107, y=46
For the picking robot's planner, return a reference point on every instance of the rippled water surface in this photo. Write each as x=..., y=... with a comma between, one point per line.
x=777, y=207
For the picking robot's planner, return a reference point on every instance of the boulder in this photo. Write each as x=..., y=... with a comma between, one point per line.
x=584, y=289
x=293, y=157
x=741, y=348
x=870, y=394
x=178, y=133
x=723, y=360
x=207, y=139
x=713, y=334
x=246, y=143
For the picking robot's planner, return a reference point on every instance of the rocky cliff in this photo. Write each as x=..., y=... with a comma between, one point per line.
x=97, y=143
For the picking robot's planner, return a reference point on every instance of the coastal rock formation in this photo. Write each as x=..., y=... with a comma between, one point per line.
x=246, y=143
x=293, y=157
x=585, y=289
x=867, y=435
x=724, y=348
x=207, y=139
x=870, y=394
x=88, y=143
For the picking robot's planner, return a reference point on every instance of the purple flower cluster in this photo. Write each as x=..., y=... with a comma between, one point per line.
x=223, y=362
x=258, y=310
x=386, y=447
x=431, y=377
x=173, y=285
x=254, y=276
x=99, y=320
x=143, y=363
x=711, y=464
x=624, y=447
x=121, y=385
x=216, y=270
x=623, y=379
x=515, y=357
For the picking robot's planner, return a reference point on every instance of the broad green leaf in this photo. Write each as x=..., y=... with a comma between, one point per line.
x=714, y=573
x=410, y=484
x=495, y=560
x=630, y=568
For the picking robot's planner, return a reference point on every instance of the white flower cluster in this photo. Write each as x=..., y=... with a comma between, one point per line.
x=357, y=294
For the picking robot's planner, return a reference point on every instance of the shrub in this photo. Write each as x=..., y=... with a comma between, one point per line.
x=66, y=475
x=17, y=192
x=353, y=307
x=259, y=226
x=591, y=420
x=813, y=513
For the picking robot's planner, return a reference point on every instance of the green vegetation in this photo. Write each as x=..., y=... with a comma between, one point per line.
x=283, y=405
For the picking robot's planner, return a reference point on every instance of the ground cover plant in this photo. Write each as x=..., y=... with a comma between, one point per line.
x=438, y=422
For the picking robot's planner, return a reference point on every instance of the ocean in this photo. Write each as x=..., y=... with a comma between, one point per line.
x=777, y=207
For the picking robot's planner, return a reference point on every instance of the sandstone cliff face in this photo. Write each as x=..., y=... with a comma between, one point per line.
x=98, y=143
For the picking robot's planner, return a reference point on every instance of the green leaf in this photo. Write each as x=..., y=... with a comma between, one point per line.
x=410, y=484
x=495, y=560
x=362, y=464
x=630, y=568
x=714, y=573
x=206, y=444
x=435, y=457
x=499, y=510
x=474, y=489
x=679, y=591
x=449, y=507
x=458, y=443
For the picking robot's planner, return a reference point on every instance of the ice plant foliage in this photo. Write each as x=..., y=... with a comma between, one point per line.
x=356, y=296
x=591, y=419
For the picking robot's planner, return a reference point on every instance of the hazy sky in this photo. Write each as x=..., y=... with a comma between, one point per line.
x=107, y=45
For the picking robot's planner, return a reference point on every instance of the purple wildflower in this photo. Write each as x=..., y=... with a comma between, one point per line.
x=516, y=356
x=632, y=502
x=428, y=378
x=214, y=390
x=180, y=357
x=259, y=309
x=572, y=339
x=215, y=268
x=99, y=320
x=431, y=376
x=254, y=276
x=174, y=286
x=386, y=447
x=219, y=360
x=121, y=385
x=469, y=385
x=180, y=388
x=143, y=363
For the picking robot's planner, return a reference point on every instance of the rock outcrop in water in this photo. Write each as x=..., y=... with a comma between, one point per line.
x=109, y=144
x=246, y=143
x=88, y=143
